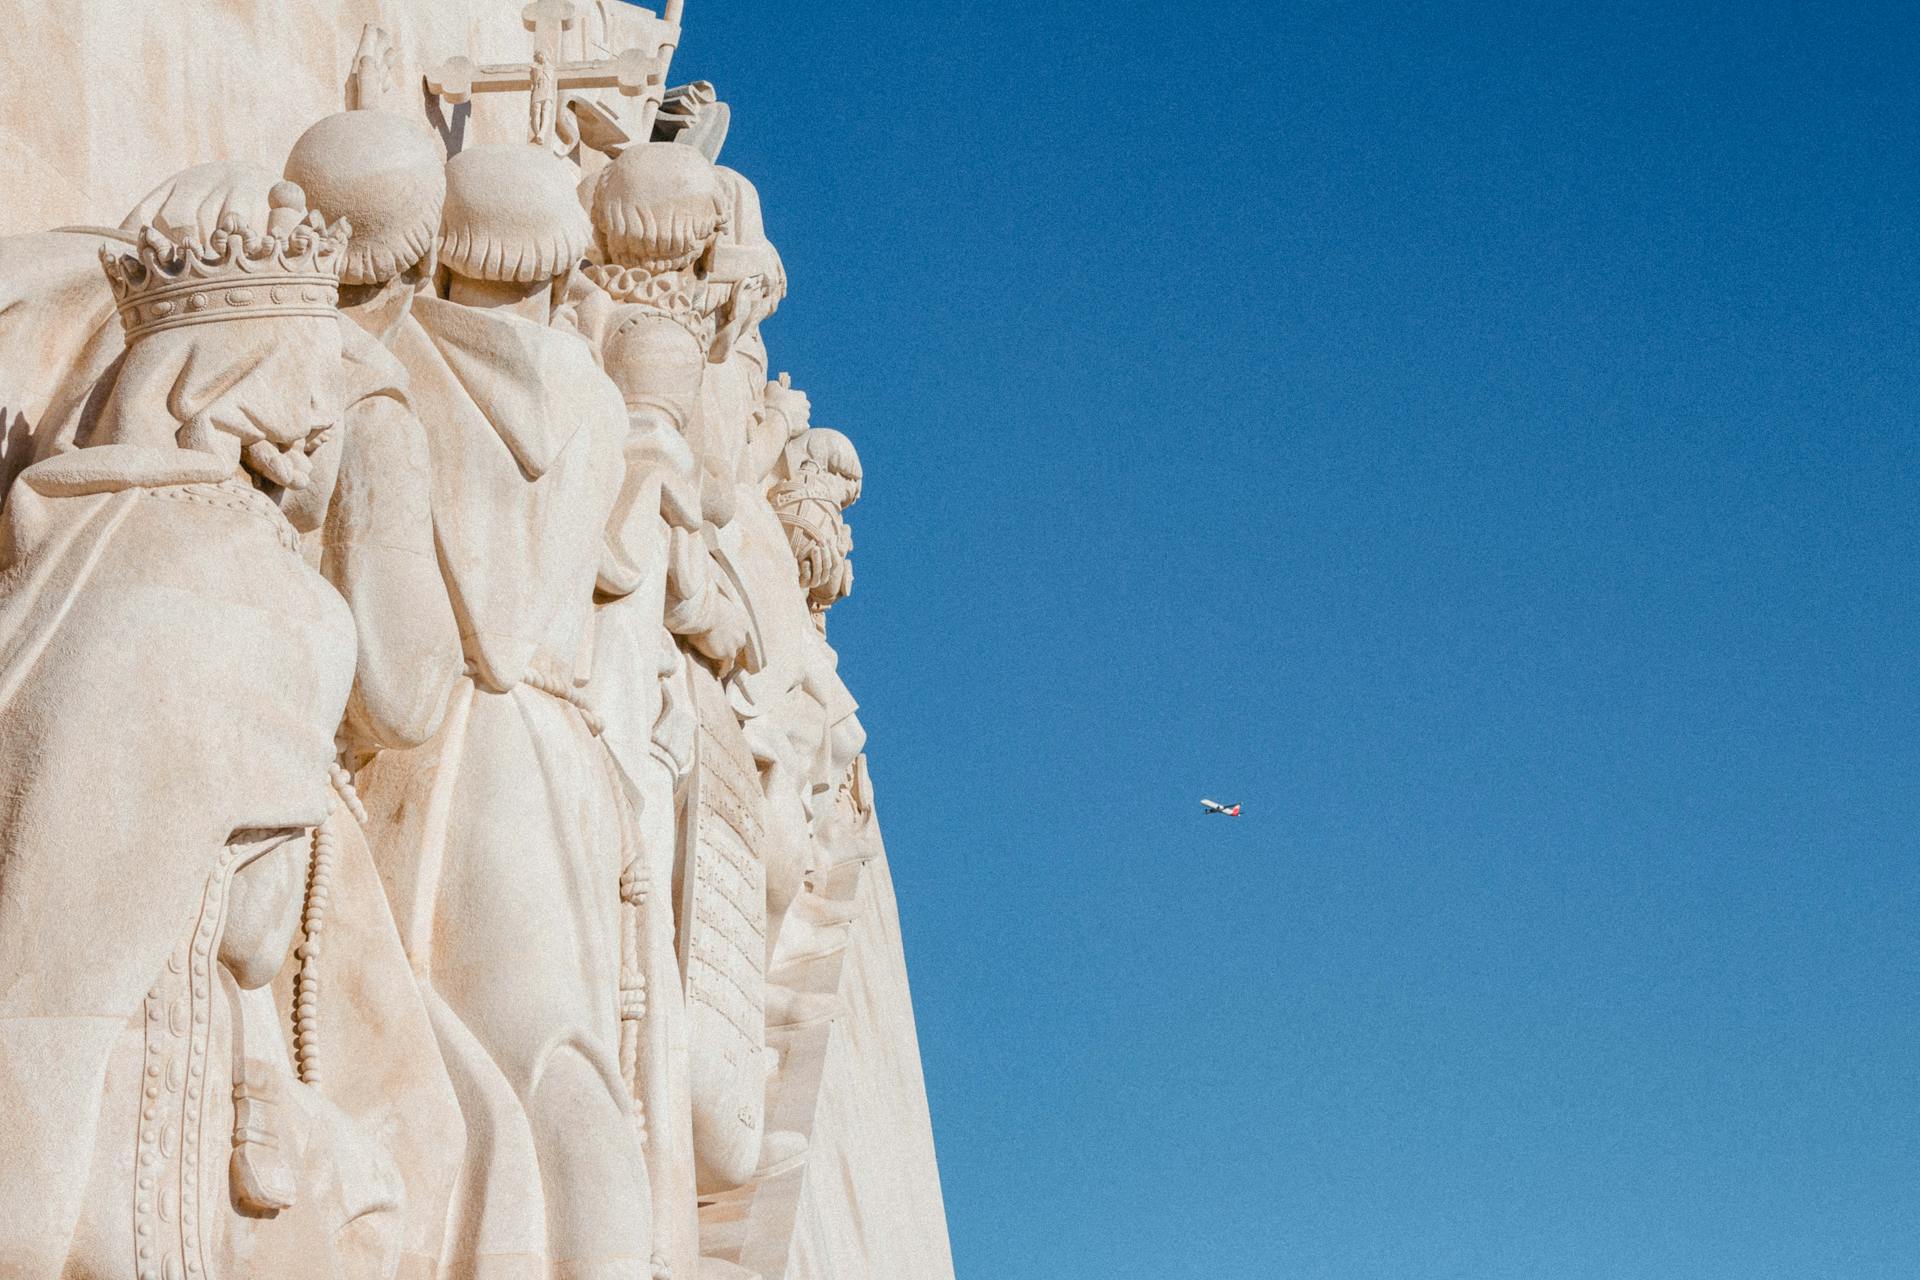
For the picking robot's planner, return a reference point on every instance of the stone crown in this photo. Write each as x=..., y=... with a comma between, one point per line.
x=293, y=269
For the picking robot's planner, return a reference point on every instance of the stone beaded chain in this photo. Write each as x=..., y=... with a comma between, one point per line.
x=313, y=923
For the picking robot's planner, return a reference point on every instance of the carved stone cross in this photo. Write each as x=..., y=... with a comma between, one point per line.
x=636, y=71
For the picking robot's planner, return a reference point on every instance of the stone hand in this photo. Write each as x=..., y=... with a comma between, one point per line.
x=790, y=403
x=816, y=560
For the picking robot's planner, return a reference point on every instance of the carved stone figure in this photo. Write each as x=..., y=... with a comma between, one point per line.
x=385, y=175
x=144, y=1098
x=435, y=842
x=386, y=1072
x=657, y=212
x=791, y=708
x=59, y=339
x=502, y=840
x=745, y=424
x=655, y=216
x=820, y=480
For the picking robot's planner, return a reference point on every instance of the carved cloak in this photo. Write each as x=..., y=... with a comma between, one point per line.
x=170, y=672
x=501, y=840
x=58, y=336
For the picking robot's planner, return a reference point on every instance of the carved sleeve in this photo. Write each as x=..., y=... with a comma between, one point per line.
x=656, y=486
x=379, y=554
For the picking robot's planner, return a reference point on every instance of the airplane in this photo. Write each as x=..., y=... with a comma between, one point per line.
x=1226, y=810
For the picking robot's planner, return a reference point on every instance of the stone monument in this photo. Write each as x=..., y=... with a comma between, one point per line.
x=435, y=839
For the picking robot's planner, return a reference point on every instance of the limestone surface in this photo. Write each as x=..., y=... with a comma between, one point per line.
x=435, y=838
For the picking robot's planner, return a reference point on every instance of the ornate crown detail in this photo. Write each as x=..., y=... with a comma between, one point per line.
x=292, y=270
x=675, y=294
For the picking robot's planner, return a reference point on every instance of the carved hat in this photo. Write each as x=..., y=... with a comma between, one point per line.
x=386, y=175
x=834, y=455
x=659, y=205
x=512, y=214
x=196, y=202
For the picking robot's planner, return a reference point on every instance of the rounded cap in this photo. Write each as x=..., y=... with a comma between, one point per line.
x=659, y=204
x=196, y=202
x=383, y=173
x=511, y=214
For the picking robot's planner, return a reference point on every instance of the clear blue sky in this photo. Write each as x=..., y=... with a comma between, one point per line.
x=1482, y=439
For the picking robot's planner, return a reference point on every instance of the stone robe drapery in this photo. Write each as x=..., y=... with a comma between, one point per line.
x=379, y=554
x=171, y=672
x=501, y=840
x=58, y=335
x=640, y=693
x=525, y=433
